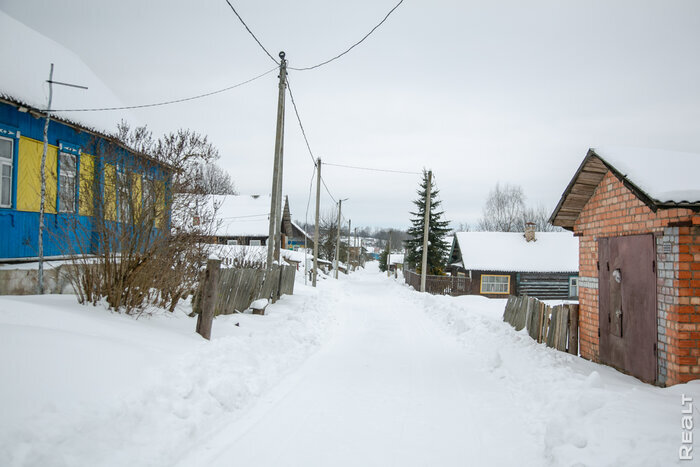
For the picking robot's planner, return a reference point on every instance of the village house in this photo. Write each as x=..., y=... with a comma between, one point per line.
x=636, y=214
x=538, y=264
x=245, y=220
x=86, y=169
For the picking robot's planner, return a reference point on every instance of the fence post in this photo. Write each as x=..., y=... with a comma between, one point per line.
x=573, y=329
x=207, y=301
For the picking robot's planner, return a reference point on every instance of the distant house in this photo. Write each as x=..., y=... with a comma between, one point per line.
x=538, y=264
x=636, y=213
x=396, y=261
x=245, y=220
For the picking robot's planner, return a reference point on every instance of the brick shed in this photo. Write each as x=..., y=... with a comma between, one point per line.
x=637, y=215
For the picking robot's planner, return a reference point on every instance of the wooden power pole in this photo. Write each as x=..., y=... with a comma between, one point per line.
x=347, y=266
x=318, y=202
x=426, y=228
x=42, y=202
x=337, y=239
x=388, y=258
x=273, y=240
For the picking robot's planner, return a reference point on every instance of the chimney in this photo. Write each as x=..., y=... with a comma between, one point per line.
x=530, y=232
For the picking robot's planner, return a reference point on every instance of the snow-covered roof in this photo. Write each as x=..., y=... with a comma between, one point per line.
x=509, y=251
x=241, y=215
x=396, y=258
x=665, y=176
x=660, y=179
x=28, y=56
x=309, y=237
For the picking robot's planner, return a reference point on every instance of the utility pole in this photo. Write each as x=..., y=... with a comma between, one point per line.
x=388, y=258
x=42, y=204
x=337, y=238
x=357, y=251
x=318, y=203
x=347, y=266
x=426, y=228
x=273, y=240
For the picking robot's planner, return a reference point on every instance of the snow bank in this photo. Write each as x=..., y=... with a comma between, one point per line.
x=91, y=387
x=585, y=413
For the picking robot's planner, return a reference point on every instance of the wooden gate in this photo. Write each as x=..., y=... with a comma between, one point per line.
x=627, y=304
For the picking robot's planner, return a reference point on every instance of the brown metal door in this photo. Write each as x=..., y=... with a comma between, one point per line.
x=627, y=304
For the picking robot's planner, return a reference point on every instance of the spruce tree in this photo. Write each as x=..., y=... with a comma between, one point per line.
x=438, y=248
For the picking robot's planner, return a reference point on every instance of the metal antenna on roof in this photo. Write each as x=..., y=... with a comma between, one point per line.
x=40, y=243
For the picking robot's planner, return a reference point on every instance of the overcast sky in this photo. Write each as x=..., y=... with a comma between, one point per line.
x=480, y=92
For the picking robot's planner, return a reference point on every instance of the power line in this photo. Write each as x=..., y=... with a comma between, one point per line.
x=372, y=169
x=251, y=33
x=327, y=190
x=244, y=217
x=303, y=132
x=169, y=102
x=308, y=203
x=352, y=46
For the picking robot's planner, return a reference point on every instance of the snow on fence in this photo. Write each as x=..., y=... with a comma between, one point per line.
x=556, y=326
x=440, y=285
x=238, y=288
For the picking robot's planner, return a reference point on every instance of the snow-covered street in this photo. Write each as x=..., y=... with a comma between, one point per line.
x=364, y=371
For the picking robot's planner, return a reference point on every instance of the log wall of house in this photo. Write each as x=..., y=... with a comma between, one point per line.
x=544, y=286
x=614, y=211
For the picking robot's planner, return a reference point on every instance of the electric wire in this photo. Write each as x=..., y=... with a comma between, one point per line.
x=251, y=33
x=301, y=125
x=308, y=203
x=352, y=46
x=176, y=101
x=327, y=190
x=243, y=217
x=372, y=169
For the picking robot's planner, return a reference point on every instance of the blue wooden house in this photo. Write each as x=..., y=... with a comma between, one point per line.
x=84, y=171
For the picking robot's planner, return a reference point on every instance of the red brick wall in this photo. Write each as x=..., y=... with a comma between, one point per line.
x=613, y=210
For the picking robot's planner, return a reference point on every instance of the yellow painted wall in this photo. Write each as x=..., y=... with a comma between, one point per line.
x=29, y=176
x=87, y=178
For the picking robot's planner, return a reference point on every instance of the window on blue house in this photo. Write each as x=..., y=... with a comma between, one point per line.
x=66, y=183
x=6, y=146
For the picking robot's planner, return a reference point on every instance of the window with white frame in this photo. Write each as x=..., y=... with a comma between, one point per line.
x=66, y=182
x=255, y=243
x=6, y=151
x=573, y=286
x=232, y=242
x=495, y=284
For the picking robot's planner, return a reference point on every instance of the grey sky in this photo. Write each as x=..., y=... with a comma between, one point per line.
x=480, y=92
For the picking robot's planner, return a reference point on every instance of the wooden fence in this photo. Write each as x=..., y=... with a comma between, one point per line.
x=440, y=285
x=556, y=326
x=238, y=288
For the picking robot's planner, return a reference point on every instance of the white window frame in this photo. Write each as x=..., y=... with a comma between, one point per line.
x=494, y=284
x=66, y=178
x=573, y=286
x=231, y=242
x=255, y=243
x=7, y=163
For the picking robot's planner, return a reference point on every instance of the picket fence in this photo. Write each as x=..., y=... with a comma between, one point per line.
x=238, y=288
x=556, y=326
x=440, y=285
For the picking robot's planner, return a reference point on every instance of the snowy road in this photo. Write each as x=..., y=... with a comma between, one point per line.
x=358, y=372
x=417, y=380
x=392, y=389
